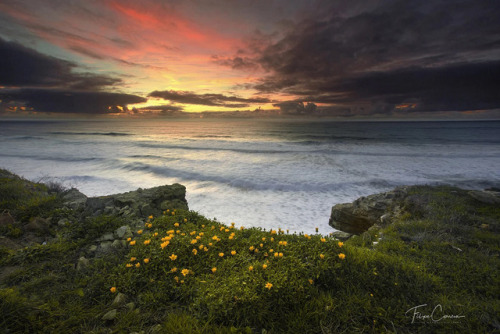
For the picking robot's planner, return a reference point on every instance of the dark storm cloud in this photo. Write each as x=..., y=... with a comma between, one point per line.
x=442, y=54
x=68, y=101
x=206, y=99
x=24, y=67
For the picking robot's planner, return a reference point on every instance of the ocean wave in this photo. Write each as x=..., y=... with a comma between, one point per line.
x=113, y=134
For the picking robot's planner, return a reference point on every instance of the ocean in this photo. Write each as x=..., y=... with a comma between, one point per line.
x=269, y=173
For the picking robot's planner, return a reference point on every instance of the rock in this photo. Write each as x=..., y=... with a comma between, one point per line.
x=92, y=248
x=130, y=306
x=107, y=237
x=119, y=300
x=123, y=232
x=359, y=216
x=82, y=263
x=105, y=246
x=488, y=197
x=37, y=225
x=117, y=244
x=110, y=315
x=341, y=235
x=74, y=199
x=6, y=219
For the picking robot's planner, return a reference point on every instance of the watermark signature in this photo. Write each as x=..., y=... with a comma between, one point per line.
x=436, y=316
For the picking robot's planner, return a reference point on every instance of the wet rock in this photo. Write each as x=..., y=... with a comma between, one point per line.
x=341, y=235
x=105, y=246
x=117, y=244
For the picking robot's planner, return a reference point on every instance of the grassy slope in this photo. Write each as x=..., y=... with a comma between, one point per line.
x=445, y=253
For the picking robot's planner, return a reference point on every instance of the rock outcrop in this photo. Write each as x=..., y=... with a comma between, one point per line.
x=140, y=203
x=382, y=209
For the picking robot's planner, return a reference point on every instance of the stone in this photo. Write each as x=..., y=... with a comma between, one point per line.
x=488, y=197
x=341, y=235
x=130, y=306
x=74, y=199
x=82, y=263
x=119, y=300
x=105, y=246
x=123, y=232
x=92, y=248
x=37, y=225
x=107, y=237
x=360, y=215
x=117, y=244
x=110, y=315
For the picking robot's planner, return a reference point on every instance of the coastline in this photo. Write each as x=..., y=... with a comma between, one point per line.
x=438, y=251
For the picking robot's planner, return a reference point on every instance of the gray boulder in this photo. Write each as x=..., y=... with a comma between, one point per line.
x=74, y=199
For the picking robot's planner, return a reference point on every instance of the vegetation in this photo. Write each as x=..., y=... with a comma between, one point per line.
x=184, y=273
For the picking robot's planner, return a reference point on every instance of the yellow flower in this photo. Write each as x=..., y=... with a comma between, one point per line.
x=138, y=264
x=242, y=228
x=210, y=244
x=307, y=236
x=168, y=210
x=213, y=227
x=284, y=243
x=113, y=289
x=221, y=254
x=192, y=233
x=170, y=232
x=195, y=251
x=146, y=260
x=271, y=250
x=173, y=213
x=256, y=250
x=287, y=231
x=128, y=239
x=214, y=270
x=340, y=244
x=264, y=266
x=231, y=237
x=205, y=249
x=264, y=239
x=178, y=231
x=150, y=217
x=194, y=241
x=174, y=269
x=226, y=230
x=273, y=232
x=321, y=256
x=132, y=243
x=147, y=242
x=176, y=279
x=276, y=254
x=272, y=239
x=202, y=226
x=150, y=225
x=201, y=234
x=132, y=259
x=311, y=281
x=232, y=223
x=183, y=234
x=155, y=234
x=341, y=256
x=233, y=252
x=316, y=230
x=165, y=244
x=261, y=245
x=215, y=237
x=185, y=272
x=221, y=228
x=323, y=240
x=252, y=248
x=139, y=232
x=371, y=294
x=173, y=257
x=280, y=254
x=269, y=286
x=250, y=268
x=185, y=220
x=176, y=225
x=182, y=281
x=200, y=247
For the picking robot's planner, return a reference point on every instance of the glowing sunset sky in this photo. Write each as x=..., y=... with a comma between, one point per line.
x=344, y=58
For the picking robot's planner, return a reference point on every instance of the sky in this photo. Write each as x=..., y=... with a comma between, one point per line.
x=344, y=58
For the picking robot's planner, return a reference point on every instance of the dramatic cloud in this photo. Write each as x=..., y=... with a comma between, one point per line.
x=67, y=101
x=441, y=54
x=206, y=99
x=296, y=108
x=23, y=67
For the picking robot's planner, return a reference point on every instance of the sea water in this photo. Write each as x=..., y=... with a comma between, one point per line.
x=267, y=173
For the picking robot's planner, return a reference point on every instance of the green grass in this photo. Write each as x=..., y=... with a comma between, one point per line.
x=439, y=254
